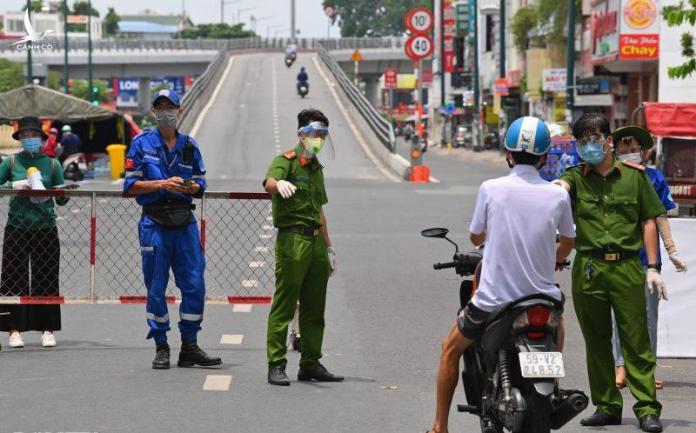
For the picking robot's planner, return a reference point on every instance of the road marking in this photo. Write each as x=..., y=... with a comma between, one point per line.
x=217, y=382
x=250, y=284
x=380, y=166
x=257, y=264
x=241, y=308
x=231, y=339
x=201, y=116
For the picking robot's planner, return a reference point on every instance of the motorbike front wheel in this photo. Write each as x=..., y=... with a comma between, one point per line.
x=538, y=418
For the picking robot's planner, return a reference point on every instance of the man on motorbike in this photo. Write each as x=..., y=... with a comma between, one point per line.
x=518, y=217
x=302, y=79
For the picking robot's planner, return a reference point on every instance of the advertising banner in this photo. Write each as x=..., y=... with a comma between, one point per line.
x=640, y=30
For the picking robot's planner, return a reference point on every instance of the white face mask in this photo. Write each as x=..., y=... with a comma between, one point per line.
x=631, y=157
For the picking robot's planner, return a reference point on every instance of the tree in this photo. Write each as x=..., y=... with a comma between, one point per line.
x=359, y=18
x=111, y=21
x=525, y=19
x=676, y=16
x=11, y=75
x=82, y=8
x=53, y=81
x=216, y=31
x=80, y=89
x=36, y=6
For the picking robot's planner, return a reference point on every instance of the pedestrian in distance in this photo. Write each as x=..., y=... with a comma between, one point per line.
x=635, y=144
x=165, y=169
x=70, y=143
x=305, y=258
x=51, y=143
x=31, y=248
x=615, y=211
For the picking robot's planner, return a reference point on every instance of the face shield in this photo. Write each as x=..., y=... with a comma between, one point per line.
x=316, y=140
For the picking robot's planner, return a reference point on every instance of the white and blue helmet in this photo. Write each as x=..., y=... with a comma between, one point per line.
x=528, y=134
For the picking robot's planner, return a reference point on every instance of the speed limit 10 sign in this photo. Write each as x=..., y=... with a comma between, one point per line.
x=419, y=47
x=419, y=20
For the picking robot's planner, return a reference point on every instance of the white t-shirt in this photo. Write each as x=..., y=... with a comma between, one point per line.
x=520, y=214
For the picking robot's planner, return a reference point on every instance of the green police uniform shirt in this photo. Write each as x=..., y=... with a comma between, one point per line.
x=608, y=210
x=302, y=209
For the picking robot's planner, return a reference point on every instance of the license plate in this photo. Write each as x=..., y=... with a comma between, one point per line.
x=542, y=364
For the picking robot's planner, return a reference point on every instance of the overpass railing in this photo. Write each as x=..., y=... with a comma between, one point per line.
x=379, y=125
x=80, y=44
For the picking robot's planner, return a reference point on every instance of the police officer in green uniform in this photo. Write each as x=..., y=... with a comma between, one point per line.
x=304, y=256
x=615, y=207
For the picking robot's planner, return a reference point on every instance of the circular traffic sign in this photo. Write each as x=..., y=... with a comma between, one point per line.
x=419, y=47
x=419, y=20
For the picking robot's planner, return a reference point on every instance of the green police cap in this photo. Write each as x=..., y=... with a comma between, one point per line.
x=642, y=136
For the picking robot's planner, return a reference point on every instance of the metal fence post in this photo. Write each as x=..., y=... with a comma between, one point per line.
x=203, y=203
x=93, y=249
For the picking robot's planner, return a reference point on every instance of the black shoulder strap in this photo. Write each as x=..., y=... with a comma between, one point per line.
x=188, y=151
x=12, y=160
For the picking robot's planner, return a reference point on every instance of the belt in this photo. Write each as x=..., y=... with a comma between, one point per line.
x=305, y=231
x=612, y=256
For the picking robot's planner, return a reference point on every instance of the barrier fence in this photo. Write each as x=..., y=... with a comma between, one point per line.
x=93, y=254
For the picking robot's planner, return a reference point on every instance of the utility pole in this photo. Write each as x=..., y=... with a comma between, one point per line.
x=502, y=38
x=293, y=32
x=30, y=68
x=222, y=11
x=89, y=53
x=66, y=69
x=570, y=73
x=442, y=53
x=476, y=78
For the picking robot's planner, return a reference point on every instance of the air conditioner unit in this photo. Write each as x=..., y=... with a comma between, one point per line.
x=489, y=7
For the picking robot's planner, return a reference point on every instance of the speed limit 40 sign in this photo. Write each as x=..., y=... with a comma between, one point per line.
x=419, y=47
x=419, y=21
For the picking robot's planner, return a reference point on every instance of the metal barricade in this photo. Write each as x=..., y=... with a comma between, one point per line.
x=99, y=258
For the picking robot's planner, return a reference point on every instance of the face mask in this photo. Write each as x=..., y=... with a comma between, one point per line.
x=31, y=145
x=592, y=152
x=631, y=157
x=166, y=118
x=314, y=144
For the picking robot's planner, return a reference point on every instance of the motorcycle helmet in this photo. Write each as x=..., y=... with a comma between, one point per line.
x=528, y=134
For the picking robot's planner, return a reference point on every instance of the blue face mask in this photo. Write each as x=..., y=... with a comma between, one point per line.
x=592, y=152
x=31, y=145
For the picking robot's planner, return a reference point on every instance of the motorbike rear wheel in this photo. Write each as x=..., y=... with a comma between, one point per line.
x=538, y=418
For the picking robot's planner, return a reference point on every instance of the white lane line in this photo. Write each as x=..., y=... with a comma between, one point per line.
x=217, y=382
x=356, y=132
x=242, y=308
x=250, y=284
x=231, y=339
x=203, y=112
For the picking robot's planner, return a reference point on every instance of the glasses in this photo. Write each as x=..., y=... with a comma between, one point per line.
x=595, y=137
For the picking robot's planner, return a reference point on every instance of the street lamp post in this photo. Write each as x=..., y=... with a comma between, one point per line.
x=30, y=68
x=273, y=27
x=255, y=21
x=89, y=52
x=293, y=31
x=66, y=70
x=570, y=73
x=240, y=10
x=222, y=8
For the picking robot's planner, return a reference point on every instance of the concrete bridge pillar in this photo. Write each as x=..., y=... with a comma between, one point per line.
x=372, y=90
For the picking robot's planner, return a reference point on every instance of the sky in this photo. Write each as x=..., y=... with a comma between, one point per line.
x=273, y=15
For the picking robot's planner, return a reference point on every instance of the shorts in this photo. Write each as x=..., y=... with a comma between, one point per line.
x=471, y=321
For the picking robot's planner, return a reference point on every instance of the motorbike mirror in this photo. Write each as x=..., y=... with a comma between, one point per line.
x=435, y=232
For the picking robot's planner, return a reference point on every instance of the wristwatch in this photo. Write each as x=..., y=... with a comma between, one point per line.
x=654, y=266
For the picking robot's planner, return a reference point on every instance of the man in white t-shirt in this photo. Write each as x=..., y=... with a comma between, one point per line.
x=518, y=216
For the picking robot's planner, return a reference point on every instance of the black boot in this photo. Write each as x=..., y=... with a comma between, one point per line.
x=161, y=361
x=277, y=376
x=651, y=424
x=319, y=373
x=600, y=419
x=191, y=355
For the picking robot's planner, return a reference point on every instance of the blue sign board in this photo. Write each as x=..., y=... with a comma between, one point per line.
x=472, y=16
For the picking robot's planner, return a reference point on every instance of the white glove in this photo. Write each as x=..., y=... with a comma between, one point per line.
x=21, y=184
x=562, y=183
x=655, y=283
x=679, y=264
x=285, y=189
x=332, y=260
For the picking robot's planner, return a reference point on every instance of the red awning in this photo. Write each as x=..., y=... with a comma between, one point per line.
x=671, y=120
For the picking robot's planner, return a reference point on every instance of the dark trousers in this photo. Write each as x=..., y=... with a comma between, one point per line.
x=38, y=250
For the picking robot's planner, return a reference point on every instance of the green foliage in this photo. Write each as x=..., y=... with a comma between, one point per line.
x=111, y=22
x=216, y=31
x=676, y=16
x=80, y=89
x=525, y=19
x=36, y=6
x=82, y=8
x=11, y=75
x=157, y=88
x=53, y=80
x=359, y=18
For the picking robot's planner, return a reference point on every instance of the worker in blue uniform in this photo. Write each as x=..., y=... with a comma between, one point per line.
x=165, y=169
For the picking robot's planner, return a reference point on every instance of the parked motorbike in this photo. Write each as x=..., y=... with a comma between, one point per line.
x=302, y=89
x=510, y=375
x=290, y=59
x=492, y=141
x=462, y=138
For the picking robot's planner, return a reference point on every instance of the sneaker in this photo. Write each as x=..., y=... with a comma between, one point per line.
x=16, y=339
x=48, y=339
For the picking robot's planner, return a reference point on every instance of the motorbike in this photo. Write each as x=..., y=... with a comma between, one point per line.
x=462, y=138
x=302, y=89
x=510, y=375
x=290, y=59
x=492, y=140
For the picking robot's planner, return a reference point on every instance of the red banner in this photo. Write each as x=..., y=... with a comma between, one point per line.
x=671, y=120
x=450, y=23
x=639, y=47
x=390, y=78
